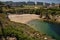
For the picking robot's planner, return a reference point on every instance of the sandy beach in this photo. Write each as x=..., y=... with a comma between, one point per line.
x=22, y=18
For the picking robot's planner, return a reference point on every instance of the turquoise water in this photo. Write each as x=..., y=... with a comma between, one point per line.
x=51, y=29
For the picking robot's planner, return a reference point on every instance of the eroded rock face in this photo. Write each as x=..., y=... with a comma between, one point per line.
x=11, y=38
x=57, y=18
x=8, y=38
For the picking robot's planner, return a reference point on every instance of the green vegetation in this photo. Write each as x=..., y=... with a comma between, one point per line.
x=19, y=30
x=49, y=13
x=26, y=9
x=23, y=31
x=8, y=28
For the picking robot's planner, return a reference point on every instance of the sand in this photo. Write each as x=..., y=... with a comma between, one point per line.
x=23, y=18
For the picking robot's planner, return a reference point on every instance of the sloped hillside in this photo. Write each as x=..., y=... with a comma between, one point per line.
x=19, y=30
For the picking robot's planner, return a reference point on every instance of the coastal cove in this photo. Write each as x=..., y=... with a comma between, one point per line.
x=44, y=27
x=30, y=20
x=47, y=28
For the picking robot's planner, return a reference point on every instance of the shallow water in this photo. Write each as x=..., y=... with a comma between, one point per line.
x=50, y=29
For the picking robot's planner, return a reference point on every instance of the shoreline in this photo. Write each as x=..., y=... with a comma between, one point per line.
x=24, y=18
